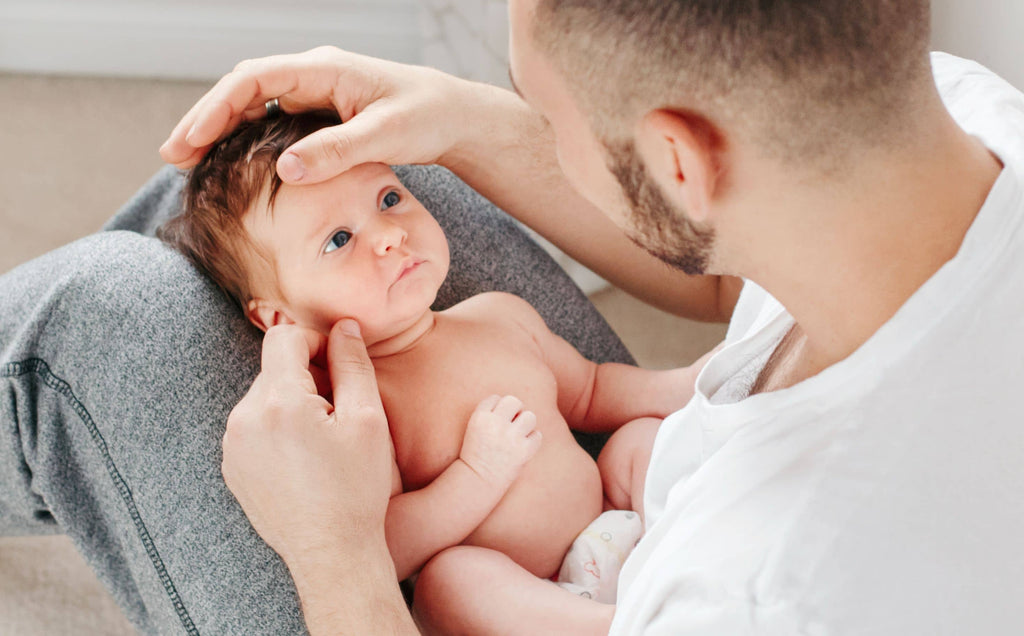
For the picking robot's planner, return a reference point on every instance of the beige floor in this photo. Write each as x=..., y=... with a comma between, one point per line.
x=73, y=151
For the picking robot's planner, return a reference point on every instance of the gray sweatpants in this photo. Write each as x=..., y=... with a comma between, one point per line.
x=118, y=366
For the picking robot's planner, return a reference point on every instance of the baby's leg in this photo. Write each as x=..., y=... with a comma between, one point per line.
x=477, y=591
x=623, y=464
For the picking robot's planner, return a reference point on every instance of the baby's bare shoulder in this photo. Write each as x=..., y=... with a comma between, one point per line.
x=500, y=306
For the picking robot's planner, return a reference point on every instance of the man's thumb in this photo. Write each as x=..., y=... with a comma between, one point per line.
x=329, y=151
x=353, y=381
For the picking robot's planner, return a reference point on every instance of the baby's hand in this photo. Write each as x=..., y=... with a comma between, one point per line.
x=499, y=440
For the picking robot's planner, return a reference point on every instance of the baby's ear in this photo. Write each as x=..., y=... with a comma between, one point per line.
x=265, y=314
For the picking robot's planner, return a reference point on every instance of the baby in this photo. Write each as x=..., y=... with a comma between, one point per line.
x=470, y=467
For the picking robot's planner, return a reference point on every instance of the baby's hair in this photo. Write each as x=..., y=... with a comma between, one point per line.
x=223, y=186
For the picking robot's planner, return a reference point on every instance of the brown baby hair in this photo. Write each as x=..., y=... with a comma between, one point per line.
x=223, y=186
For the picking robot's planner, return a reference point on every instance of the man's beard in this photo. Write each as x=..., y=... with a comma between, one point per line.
x=654, y=224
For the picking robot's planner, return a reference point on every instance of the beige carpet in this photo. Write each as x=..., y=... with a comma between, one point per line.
x=73, y=151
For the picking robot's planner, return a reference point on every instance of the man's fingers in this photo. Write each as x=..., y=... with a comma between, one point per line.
x=210, y=123
x=247, y=88
x=322, y=78
x=176, y=150
x=287, y=350
x=352, y=376
x=322, y=379
x=183, y=148
x=210, y=120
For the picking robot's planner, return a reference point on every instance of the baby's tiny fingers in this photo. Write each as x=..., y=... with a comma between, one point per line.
x=525, y=422
x=488, y=403
x=508, y=407
x=533, y=441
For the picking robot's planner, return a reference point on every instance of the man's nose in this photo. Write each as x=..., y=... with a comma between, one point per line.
x=388, y=236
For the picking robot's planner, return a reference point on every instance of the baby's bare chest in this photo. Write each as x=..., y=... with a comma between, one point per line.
x=430, y=394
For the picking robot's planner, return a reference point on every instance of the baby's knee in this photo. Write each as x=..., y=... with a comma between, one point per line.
x=439, y=573
x=441, y=588
x=623, y=463
x=631, y=444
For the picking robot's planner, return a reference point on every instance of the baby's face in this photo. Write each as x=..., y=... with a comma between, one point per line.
x=356, y=246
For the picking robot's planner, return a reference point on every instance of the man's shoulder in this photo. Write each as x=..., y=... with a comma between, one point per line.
x=983, y=104
x=955, y=77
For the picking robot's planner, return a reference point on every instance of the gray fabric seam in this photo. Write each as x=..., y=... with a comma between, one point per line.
x=40, y=368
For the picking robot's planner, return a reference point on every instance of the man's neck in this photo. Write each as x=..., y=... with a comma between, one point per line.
x=844, y=259
x=406, y=339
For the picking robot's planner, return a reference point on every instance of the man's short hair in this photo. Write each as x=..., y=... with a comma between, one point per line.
x=800, y=77
x=223, y=186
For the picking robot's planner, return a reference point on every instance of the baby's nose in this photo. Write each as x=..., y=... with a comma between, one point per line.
x=389, y=236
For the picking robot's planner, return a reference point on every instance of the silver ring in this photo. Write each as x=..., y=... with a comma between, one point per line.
x=273, y=108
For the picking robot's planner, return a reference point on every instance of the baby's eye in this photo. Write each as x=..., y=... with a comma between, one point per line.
x=339, y=240
x=391, y=199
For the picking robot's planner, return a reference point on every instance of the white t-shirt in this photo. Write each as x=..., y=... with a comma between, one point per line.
x=884, y=495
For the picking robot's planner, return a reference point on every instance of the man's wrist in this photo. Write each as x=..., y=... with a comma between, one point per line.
x=335, y=557
x=493, y=118
x=351, y=589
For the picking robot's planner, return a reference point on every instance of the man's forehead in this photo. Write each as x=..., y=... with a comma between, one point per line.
x=522, y=8
x=531, y=68
x=519, y=46
x=520, y=16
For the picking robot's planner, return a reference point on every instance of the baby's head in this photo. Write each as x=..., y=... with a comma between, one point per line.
x=357, y=246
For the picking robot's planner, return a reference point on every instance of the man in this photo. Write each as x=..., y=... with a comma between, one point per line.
x=829, y=476
x=851, y=460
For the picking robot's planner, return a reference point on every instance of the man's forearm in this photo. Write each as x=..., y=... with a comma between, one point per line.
x=512, y=160
x=351, y=592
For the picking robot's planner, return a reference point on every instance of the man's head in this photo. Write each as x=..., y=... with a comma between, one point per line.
x=357, y=246
x=662, y=94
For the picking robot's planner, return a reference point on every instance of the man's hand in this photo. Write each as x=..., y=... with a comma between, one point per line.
x=310, y=476
x=393, y=113
x=400, y=114
x=314, y=479
x=500, y=438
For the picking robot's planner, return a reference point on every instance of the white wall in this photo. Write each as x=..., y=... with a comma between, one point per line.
x=990, y=31
x=468, y=38
x=196, y=39
x=203, y=39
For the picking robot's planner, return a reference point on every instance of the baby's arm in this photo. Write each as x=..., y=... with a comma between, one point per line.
x=500, y=438
x=601, y=397
x=609, y=395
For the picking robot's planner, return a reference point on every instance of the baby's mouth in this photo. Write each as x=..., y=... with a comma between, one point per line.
x=409, y=267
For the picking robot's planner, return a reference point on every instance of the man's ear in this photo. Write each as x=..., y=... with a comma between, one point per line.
x=265, y=314
x=683, y=153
